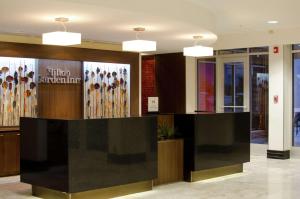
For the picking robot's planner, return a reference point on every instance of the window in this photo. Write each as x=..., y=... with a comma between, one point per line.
x=232, y=51
x=264, y=49
x=296, y=47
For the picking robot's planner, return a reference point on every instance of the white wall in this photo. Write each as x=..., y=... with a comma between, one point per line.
x=191, y=84
x=140, y=84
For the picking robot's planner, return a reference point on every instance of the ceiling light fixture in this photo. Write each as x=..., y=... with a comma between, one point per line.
x=198, y=50
x=61, y=38
x=273, y=22
x=139, y=45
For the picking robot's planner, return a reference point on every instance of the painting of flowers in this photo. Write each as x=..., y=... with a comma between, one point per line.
x=106, y=90
x=18, y=92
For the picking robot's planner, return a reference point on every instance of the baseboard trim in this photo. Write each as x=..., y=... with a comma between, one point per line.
x=215, y=172
x=282, y=155
x=103, y=193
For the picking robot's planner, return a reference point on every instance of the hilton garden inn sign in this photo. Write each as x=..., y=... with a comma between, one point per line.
x=58, y=76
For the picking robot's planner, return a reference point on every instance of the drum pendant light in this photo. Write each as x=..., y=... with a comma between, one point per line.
x=61, y=38
x=198, y=50
x=139, y=45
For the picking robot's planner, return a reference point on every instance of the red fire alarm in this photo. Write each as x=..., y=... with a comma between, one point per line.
x=275, y=99
x=275, y=49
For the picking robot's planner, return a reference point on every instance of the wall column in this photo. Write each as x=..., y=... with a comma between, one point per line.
x=191, y=84
x=280, y=103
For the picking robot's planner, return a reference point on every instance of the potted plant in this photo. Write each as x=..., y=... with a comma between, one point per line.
x=165, y=132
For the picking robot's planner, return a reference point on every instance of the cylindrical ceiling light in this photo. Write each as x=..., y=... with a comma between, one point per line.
x=139, y=45
x=61, y=38
x=198, y=50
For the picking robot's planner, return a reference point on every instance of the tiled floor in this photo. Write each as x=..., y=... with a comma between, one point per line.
x=263, y=178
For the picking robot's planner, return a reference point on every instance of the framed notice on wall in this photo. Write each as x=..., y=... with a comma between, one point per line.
x=152, y=104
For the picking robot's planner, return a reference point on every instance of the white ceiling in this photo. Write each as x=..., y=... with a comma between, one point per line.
x=238, y=16
x=172, y=23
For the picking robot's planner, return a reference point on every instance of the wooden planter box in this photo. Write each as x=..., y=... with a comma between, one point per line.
x=170, y=161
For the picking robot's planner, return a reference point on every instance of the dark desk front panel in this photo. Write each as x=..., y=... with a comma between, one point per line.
x=109, y=152
x=44, y=153
x=80, y=155
x=214, y=140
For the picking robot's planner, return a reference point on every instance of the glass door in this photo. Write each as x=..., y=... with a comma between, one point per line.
x=296, y=100
x=259, y=67
x=233, y=87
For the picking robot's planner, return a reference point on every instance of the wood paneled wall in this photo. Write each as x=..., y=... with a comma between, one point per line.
x=60, y=101
x=52, y=95
x=9, y=153
x=170, y=81
x=170, y=73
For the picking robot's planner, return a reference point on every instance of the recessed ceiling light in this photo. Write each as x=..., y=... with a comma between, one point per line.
x=273, y=22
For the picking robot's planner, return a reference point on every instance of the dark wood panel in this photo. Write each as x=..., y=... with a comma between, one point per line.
x=75, y=67
x=12, y=153
x=1, y=154
x=170, y=72
x=9, y=153
x=60, y=101
x=170, y=161
x=65, y=53
x=167, y=120
x=80, y=54
x=134, y=87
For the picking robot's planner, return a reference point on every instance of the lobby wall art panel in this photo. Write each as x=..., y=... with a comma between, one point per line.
x=18, y=92
x=106, y=90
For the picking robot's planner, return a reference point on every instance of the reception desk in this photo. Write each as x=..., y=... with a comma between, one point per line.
x=88, y=158
x=103, y=158
x=215, y=144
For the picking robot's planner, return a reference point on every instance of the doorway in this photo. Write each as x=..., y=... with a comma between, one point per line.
x=296, y=99
x=259, y=69
x=233, y=89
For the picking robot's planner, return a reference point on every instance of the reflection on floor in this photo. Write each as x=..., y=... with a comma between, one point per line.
x=296, y=138
x=259, y=137
x=263, y=178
